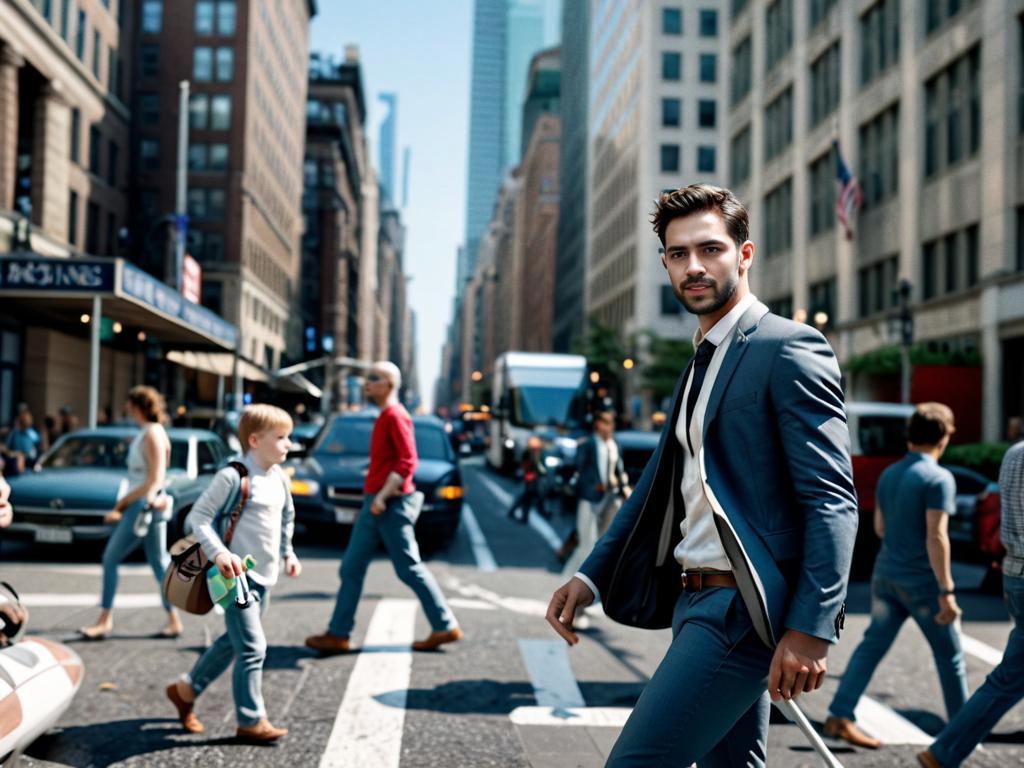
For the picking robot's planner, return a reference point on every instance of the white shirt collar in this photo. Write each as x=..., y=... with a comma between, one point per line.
x=721, y=330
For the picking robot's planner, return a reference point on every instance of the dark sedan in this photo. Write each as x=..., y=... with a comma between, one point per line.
x=328, y=485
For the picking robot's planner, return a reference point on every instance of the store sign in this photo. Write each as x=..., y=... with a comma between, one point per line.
x=191, y=280
x=57, y=275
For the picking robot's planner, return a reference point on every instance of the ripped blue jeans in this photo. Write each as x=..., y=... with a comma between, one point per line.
x=891, y=605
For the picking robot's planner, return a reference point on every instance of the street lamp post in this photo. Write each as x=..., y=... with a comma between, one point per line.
x=906, y=321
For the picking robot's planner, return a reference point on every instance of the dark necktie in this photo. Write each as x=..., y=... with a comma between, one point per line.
x=701, y=360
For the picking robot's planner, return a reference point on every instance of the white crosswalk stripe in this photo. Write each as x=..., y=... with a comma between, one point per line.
x=537, y=523
x=481, y=551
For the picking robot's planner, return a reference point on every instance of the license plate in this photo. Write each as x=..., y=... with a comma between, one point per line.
x=53, y=535
x=344, y=516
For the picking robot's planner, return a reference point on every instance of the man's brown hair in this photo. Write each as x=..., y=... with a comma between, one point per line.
x=698, y=198
x=929, y=423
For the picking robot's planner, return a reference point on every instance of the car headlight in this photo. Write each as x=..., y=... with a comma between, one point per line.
x=450, y=492
x=552, y=461
x=305, y=487
x=510, y=444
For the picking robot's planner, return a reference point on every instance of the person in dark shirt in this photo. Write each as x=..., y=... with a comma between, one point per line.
x=532, y=468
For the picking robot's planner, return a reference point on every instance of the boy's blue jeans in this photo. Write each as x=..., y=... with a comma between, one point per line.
x=122, y=543
x=244, y=643
x=396, y=528
x=1002, y=689
x=891, y=605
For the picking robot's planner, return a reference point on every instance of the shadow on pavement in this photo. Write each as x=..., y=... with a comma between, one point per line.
x=103, y=744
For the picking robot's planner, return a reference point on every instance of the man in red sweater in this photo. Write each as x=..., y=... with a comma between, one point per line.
x=389, y=514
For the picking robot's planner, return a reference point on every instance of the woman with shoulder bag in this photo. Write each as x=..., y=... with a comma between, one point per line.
x=141, y=515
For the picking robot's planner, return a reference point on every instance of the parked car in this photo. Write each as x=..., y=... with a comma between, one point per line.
x=302, y=438
x=328, y=485
x=84, y=473
x=971, y=529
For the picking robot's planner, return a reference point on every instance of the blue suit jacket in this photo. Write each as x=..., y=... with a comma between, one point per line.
x=775, y=463
x=589, y=474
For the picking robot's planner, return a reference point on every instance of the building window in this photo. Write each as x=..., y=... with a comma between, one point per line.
x=950, y=263
x=202, y=64
x=152, y=16
x=671, y=113
x=778, y=217
x=669, y=303
x=706, y=159
x=226, y=17
x=819, y=10
x=778, y=124
x=76, y=135
x=929, y=256
x=204, y=17
x=876, y=287
x=149, y=152
x=938, y=12
x=111, y=234
x=225, y=65
x=96, y=51
x=708, y=68
x=670, y=158
x=149, y=58
x=671, y=66
x=149, y=108
x=199, y=112
x=65, y=20
x=879, y=156
x=783, y=307
x=112, y=160
x=824, y=92
x=708, y=22
x=220, y=113
x=114, y=73
x=741, y=74
x=206, y=204
x=823, y=299
x=80, y=36
x=73, y=218
x=779, y=31
x=737, y=7
x=198, y=157
x=706, y=113
x=739, y=157
x=971, y=255
x=92, y=228
x=952, y=111
x=218, y=157
x=823, y=193
x=671, y=21
x=95, y=148
x=879, y=39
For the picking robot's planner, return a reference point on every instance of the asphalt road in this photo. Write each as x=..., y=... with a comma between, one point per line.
x=511, y=694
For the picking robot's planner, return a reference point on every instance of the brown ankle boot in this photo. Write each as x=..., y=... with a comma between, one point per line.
x=186, y=710
x=436, y=639
x=847, y=730
x=328, y=645
x=261, y=733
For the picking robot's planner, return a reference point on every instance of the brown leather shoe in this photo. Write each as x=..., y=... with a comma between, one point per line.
x=928, y=760
x=437, y=639
x=328, y=645
x=186, y=710
x=261, y=733
x=847, y=730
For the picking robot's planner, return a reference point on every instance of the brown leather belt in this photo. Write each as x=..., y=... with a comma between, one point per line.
x=695, y=581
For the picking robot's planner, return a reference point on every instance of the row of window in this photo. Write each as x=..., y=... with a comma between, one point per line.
x=950, y=264
x=672, y=113
x=213, y=63
x=670, y=158
x=93, y=227
x=209, y=112
x=672, y=67
x=672, y=21
x=108, y=172
x=212, y=17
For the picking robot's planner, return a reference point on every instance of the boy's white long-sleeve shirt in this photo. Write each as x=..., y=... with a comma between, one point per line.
x=265, y=528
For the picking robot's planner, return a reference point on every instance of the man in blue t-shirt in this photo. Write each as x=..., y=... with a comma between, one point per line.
x=23, y=444
x=912, y=576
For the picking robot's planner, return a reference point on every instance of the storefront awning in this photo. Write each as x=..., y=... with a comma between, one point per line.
x=217, y=363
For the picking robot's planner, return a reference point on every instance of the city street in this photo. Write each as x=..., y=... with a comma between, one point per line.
x=511, y=694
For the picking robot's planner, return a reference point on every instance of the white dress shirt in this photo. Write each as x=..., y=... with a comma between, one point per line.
x=607, y=459
x=701, y=546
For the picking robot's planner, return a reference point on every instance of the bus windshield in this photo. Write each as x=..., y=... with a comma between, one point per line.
x=544, y=406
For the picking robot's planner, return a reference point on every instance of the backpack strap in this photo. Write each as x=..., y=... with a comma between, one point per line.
x=243, y=497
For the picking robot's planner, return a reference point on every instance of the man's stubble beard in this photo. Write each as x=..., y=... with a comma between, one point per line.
x=721, y=296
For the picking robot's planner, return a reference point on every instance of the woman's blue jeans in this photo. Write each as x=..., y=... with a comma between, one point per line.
x=123, y=542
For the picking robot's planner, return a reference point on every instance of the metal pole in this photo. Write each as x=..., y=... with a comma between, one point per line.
x=220, y=392
x=180, y=203
x=94, y=360
x=792, y=711
x=239, y=386
x=904, y=373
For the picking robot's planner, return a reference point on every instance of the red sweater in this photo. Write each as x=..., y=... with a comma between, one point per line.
x=392, y=449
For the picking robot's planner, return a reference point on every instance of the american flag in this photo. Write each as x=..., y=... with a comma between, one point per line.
x=848, y=196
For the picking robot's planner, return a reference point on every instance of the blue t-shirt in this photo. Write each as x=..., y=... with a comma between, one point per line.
x=906, y=491
x=25, y=441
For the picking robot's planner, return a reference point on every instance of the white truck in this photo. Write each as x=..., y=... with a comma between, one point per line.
x=533, y=391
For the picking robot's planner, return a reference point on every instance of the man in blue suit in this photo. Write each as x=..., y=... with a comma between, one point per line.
x=740, y=532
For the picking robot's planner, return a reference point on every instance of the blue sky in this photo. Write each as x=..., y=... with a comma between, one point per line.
x=421, y=51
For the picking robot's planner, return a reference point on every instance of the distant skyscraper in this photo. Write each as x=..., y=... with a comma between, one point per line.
x=406, y=159
x=525, y=38
x=388, y=139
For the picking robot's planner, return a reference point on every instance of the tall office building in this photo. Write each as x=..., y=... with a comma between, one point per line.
x=654, y=119
x=571, y=252
x=247, y=63
x=388, y=147
x=924, y=99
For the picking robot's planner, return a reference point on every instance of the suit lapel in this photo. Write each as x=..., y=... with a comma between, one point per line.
x=746, y=326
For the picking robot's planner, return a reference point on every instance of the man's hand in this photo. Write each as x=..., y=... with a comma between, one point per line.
x=797, y=666
x=572, y=596
x=13, y=614
x=229, y=565
x=292, y=566
x=379, y=505
x=949, y=611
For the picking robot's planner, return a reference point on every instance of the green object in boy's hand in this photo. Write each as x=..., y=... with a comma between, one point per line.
x=221, y=589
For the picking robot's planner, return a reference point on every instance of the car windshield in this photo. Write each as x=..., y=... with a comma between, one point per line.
x=106, y=451
x=882, y=435
x=351, y=437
